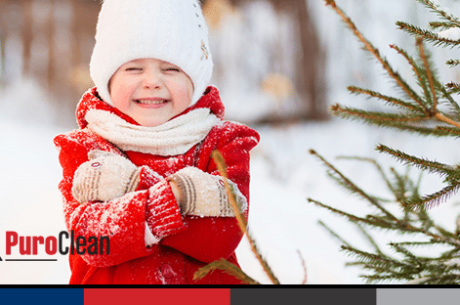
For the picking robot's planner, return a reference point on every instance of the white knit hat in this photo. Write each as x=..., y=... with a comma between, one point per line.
x=169, y=30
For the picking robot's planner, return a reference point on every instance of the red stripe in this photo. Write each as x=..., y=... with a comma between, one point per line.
x=174, y=296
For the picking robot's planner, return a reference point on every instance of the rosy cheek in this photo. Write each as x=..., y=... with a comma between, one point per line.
x=121, y=96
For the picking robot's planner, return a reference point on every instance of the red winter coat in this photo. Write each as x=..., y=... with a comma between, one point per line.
x=190, y=242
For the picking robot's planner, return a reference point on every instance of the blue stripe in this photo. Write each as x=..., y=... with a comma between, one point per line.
x=36, y=296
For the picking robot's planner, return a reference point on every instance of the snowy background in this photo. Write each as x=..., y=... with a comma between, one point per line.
x=283, y=173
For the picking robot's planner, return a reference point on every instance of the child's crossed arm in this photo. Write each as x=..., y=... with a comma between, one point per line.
x=107, y=176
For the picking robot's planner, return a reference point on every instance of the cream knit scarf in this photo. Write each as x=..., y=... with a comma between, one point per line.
x=174, y=137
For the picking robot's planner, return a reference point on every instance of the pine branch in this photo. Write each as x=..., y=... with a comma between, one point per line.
x=227, y=267
x=452, y=102
x=436, y=8
x=422, y=215
x=424, y=57
x=383, y=274
x=353, y=186
x=389, y=99
x=418, y=72
x=436, y=198
x=332, y=232
x=424, y=131
x=443, y=268
x=428, y=35
x=444, y=232
x=351, y=217
x=374, y=117
x=423, y=164
x=378, y=221
x=376, y=164
x=451, y=255
x=420, y=243
x=371, y=240
x=453, y=62
x=449, y=279
x=451, y=130
x=400, y=187
x=374, y=51
x=398, y=225
x=442, y=25
x=373, y=259
x=382, y=278
x=447, y=120
x=453, y=87
x=406, y=227
x=412, y=258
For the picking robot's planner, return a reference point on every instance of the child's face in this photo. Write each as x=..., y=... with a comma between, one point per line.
x=150, y=91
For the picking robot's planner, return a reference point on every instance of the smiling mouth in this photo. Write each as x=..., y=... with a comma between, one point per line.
x=151, y=102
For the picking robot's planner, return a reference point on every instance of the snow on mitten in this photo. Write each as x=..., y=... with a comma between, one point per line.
x=104, y=177
x=203, y=194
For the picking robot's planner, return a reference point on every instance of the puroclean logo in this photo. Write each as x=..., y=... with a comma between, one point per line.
x=31, y=247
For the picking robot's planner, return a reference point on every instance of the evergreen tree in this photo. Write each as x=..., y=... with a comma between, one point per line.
x=429, y=109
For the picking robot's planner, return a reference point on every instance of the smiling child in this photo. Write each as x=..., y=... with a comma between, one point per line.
x=139, y=168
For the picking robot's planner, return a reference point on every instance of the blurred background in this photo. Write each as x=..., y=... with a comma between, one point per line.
x=279, y=65
x=273, y=44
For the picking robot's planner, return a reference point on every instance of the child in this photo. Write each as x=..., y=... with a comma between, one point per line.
x=139, y=169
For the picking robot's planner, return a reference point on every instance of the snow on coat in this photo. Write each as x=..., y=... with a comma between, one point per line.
x=189, y=242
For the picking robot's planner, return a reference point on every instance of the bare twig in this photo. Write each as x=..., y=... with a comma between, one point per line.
x=221, y=166
x=304, y=281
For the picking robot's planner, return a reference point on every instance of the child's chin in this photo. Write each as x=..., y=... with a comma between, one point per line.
x=149, y=122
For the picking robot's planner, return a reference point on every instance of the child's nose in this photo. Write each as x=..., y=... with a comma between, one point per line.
x=152, y=81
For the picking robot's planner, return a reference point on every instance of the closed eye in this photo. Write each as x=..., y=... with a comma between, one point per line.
x=173, y=69
x=133, y=69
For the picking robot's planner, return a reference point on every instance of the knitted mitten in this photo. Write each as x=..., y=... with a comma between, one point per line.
x=203, y=194
x=104, y=177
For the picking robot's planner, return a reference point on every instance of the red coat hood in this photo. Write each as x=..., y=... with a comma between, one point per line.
x=91, y=100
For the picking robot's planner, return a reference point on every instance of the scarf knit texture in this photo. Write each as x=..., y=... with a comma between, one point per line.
x=172, y=138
